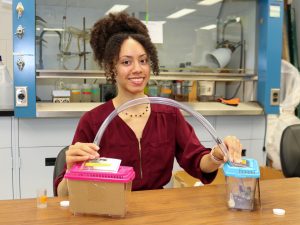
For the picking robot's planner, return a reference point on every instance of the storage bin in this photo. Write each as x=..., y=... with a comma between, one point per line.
x=92, y=191
x=241, y=184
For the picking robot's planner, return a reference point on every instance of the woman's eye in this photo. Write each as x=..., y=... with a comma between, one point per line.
x=144, y=61
x=125, y=62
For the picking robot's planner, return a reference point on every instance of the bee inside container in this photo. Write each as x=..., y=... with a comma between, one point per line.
x=241, y=184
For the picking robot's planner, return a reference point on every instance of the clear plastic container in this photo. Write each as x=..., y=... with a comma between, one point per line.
x=86, y=93
x=92, y=191
x=241, y=184
x=75, y=92
x=95, y=93
x=6, y=88
x=152, y=89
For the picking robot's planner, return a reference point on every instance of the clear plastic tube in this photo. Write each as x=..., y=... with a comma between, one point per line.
x=163, y=101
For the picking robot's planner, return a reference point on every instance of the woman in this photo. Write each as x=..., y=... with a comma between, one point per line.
x=146, y=137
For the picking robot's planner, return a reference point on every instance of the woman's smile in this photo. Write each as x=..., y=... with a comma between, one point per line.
x=137, y=80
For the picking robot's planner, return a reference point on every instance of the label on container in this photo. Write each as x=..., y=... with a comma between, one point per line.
x=75, y=92
x=103, y=164
x=166, y=90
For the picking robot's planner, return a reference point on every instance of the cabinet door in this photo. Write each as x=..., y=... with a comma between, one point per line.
x=34, y=172
x=201, y=132
x=5, y=132
x=6, y=190
x=249, y=129
x=46, y=131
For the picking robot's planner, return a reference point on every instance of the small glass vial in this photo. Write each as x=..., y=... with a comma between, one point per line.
x=41, y=198
x=95, y=93
x=86, y=93
x=75, y=92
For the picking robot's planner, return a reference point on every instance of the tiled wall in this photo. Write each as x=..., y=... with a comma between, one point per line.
x=6, y=45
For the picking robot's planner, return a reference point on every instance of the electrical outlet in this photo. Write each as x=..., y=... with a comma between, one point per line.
x=21, y=96
x=275, y=96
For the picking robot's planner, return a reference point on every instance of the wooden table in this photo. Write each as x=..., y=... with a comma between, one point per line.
x=184, y=206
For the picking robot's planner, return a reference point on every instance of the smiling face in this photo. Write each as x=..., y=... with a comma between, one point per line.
x=132, y=69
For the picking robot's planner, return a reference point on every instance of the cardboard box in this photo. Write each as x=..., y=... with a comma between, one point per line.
x=99, y=193
x=183, y=179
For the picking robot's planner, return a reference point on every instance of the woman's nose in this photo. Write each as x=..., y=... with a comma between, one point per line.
x=137, y=67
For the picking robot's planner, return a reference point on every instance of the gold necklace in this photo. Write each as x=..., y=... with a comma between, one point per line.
x=139, y=114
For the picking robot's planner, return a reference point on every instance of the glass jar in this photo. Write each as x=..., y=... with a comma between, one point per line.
x=75, y=93
x=178, y=96
x=152, y=89
x=86, y=93
x=166, y=89
x=206, y=90
x=186, y=90
x=95, y=93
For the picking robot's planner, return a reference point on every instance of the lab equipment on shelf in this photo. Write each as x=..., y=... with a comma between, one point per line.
x=6, y=88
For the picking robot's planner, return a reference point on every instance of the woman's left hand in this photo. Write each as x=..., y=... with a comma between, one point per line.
x=234, y=147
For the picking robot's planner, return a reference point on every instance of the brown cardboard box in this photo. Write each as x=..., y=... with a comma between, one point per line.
x=183, y=179
x=100, y=198
x=94, y=191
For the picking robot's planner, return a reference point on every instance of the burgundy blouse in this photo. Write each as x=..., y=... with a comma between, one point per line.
x=165, y=136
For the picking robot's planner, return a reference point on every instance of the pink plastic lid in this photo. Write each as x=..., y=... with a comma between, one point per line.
x=125, y=174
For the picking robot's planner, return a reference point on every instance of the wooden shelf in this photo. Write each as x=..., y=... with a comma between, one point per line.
x=44, y=109
x=175, y=75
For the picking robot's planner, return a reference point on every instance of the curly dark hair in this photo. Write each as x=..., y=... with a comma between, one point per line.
x=110, y=32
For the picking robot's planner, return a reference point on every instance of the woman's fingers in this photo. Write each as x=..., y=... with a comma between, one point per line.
x=234, y=147
x=81, y=152
x=238, y=153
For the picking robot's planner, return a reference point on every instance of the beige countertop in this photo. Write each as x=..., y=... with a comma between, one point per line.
x=205, y=108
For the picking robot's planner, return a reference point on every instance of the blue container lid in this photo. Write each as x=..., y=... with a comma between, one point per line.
x=251, y=171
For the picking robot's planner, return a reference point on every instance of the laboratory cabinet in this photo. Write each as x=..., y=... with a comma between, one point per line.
x=40, y=140
x=6, y=163
x=249, y=129
x=34, y=171
x=5, y=132
x=46, y=132
x=6, y=168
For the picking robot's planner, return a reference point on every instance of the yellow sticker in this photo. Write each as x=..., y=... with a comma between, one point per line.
x=244, y=161
x=97, y=164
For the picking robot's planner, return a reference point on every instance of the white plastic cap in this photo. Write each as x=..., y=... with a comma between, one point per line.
x=64, y=203
x=279, y=212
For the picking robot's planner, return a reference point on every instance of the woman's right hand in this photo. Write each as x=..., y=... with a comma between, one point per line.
x=81, y=152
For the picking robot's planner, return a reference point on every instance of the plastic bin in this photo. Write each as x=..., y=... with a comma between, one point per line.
x=241, y=184
x=100, y=193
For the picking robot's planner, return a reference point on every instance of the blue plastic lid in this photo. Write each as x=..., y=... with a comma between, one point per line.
x=251, y=171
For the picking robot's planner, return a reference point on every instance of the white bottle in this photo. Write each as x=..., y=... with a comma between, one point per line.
x=6, y=88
